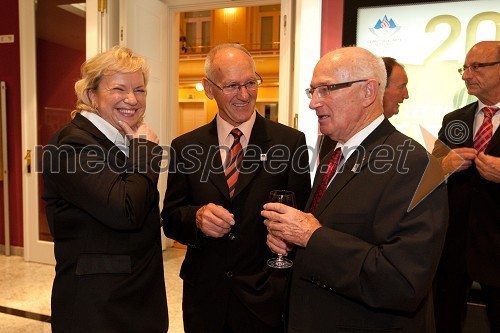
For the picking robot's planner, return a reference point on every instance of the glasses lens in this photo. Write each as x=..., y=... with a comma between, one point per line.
x=323, y=91
x=309, y=92
x=251, y=85
x=474, y=67
x=230, y=89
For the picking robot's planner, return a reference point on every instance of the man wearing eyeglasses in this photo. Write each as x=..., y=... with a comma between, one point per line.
x=214, y=207
x=472, y=248
x=369, y=241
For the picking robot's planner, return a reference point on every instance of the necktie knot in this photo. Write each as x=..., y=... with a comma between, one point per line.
x=489, y=111
x=485, y=132
x=236, y=133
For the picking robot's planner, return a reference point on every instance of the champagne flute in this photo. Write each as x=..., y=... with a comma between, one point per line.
x=287, y=198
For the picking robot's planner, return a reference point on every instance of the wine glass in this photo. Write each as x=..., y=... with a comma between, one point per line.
x=287, y=198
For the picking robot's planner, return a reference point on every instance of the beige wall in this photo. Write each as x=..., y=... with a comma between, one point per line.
x=228, y=23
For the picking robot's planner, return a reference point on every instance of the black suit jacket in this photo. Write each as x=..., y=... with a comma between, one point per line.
x=102, y=209
x=369, y=268
x=473, y=239
x=215, y=267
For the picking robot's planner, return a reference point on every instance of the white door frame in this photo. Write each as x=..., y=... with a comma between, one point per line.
x=34, y=249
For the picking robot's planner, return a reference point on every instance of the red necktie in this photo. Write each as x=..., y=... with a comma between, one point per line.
x=485, y=132
x=233, y=161
x=330, y=171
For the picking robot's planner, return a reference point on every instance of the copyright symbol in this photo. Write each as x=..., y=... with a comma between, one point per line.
x=456, y=132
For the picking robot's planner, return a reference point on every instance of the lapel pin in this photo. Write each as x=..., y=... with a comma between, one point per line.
x=263, y=157
x=355, y=168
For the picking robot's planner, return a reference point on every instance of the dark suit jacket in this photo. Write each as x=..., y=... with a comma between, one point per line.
x=369, y=268
x=102, y=209
x=215, y=267
x=473, y=240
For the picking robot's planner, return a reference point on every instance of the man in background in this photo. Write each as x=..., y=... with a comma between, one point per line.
x=396, y=90
x=472, y=248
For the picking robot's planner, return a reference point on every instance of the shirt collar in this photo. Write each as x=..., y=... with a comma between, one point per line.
x=108, y=130
x=224, y=129
x=359, y=137
x=481, y=105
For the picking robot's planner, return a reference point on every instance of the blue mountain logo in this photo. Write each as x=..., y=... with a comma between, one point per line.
x=384, y=27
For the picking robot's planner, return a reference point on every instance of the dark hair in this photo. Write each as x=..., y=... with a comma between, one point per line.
x=390, y=63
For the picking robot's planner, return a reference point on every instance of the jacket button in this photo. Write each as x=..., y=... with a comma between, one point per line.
x=231, y=236
x=229, y=274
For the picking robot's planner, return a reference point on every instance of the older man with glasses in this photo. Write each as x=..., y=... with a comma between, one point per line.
x=472, y=248
x=369, y=241
x=220, y=176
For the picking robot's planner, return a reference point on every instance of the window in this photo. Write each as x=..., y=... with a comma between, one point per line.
x=195, y=32
x=268, y=27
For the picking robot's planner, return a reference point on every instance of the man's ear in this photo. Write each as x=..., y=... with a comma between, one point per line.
x=207, y=87
x=370, y=91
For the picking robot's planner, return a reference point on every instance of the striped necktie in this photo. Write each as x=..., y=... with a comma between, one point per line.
x=233, y=161
x=485, y=132
x=327, y=176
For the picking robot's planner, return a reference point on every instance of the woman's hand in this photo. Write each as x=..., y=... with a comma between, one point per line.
x=141, y=130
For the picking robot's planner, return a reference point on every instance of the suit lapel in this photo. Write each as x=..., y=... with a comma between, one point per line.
x=317, y=177
x=251, y=164
x=494, y=143
x=355, y=164
x=86, y=125
x=468, y=117
x=212, y=164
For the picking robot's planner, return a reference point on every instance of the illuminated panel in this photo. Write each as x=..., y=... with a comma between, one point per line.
x=431, y=40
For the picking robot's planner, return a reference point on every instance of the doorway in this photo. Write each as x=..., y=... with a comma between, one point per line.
x=176, y=8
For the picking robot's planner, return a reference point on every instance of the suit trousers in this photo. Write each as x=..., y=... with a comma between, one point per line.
x=491, y=296
x=451, y=303
x=241, y=320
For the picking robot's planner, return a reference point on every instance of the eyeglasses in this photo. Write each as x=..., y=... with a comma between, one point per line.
x=324, y=90
x=475, y=67
x=234, y=88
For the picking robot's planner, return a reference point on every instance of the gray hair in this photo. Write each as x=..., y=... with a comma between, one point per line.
x=209, y=70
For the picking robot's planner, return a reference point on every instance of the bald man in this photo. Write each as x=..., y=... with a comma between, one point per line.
x=366, y=253
x=472, y=248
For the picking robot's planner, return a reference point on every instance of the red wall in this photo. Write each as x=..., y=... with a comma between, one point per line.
x=58, y=69
x=10, y=73
x=331, y=25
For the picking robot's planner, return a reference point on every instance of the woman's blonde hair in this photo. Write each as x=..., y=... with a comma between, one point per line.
x=117, y=60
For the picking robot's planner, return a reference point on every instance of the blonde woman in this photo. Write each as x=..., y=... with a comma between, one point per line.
x=100, y=184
